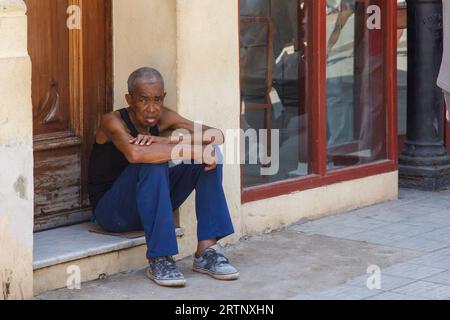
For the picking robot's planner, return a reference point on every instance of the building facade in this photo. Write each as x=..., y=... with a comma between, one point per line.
x=317, y=77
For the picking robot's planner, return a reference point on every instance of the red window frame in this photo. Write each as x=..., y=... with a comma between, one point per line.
x=318, y=110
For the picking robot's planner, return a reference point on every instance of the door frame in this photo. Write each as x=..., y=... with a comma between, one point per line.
x=74, y=137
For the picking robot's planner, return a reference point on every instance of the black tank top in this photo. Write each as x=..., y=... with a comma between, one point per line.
x=107, y=163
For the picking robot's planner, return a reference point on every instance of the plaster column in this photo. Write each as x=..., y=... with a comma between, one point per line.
x=424, y=163
x=16, y=155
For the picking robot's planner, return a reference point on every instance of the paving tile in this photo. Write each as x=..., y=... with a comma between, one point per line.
x=350, y=220
x=314, y=225
x=413, y=194
x=388, y=215
x=441, y=278
x=337, y=231
x=425, y=289
x=442, y=234
x=419, y=244
x=436, y=201
x=437, y=259
x=411, y=271
x=363, y=223
x=394, y=296
x=405, y=229
x=416, y=208
x=304, y=297
x=376, y=237
x=439, y=219
x=388, y=282
x=346, y=292
x=305, y=228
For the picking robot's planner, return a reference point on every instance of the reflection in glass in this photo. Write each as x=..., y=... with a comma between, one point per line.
x=356, y=114
x=272, y=51
x=402, y=67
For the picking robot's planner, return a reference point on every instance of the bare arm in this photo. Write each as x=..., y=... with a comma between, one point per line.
x=157, y=152
x=208, y=135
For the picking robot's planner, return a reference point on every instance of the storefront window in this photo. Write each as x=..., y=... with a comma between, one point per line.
x=356, y=107
x=318, y=76
x=273, y=82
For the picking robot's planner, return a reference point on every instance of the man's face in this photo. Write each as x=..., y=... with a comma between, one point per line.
x=146, y=101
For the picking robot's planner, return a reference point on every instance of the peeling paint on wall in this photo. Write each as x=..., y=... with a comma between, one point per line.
x=11, y=6
x=5, y=280
x=16, y=154
x=21, y=187
x=16, y=271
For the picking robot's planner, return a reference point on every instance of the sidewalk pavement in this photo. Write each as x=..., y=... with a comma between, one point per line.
x=408, y=239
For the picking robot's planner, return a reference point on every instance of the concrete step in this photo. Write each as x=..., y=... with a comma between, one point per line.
x=59, y=253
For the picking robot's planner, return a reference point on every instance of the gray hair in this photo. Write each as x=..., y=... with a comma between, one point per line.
x=145, y=75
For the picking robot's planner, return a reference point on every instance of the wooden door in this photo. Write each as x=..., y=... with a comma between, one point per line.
x=71, y=89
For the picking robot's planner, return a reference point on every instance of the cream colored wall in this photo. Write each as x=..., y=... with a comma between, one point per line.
x=208, y=85
x=194, y=43
x=144, y=33
x=16, y=155
x=274, y=213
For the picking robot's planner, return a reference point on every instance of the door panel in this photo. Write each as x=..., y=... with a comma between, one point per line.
x=71, y=89
x=58, y=186
x=50, y=75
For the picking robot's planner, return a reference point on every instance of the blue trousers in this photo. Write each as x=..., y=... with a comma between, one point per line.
x=145, y=196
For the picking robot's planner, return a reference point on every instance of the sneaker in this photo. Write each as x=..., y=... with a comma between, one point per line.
x=215, y=264
x=164, y=272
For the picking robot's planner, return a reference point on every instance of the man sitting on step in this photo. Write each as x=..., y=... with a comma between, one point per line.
x=132, y=187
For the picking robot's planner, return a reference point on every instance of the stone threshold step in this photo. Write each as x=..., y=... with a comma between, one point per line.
x=95, y=254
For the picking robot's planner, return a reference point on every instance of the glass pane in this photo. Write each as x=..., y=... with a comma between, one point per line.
x=402, y=69
x=356, y=115
x=273, y=68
